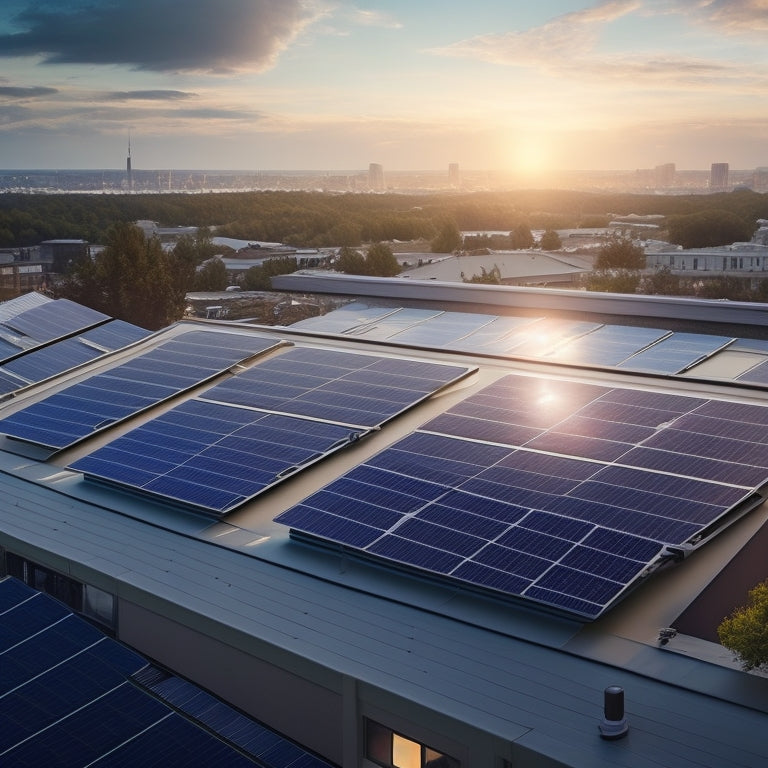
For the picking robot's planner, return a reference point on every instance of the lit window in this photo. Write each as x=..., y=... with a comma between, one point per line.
x=393, y=750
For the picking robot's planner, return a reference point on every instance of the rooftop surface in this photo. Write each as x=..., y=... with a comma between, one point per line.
x=512, y=667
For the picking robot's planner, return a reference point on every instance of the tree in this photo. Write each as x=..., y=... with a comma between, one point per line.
x=259, y=278
x=521, y=237
x=448, y=239
x=350, y=261
x=662, y=283
x=745, y=631
x=709, y=228
x=380, y=261
x=211, y=276
x=491, y=276
x=613, y=281
x=550, y=241
x=620, y=253
x=132, y=279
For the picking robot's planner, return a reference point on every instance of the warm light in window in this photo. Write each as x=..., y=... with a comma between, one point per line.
x=405, y=753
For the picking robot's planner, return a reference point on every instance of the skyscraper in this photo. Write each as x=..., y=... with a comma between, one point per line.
x=376, y=176
x=718, y=176
x=129, y=172
x=453, y=174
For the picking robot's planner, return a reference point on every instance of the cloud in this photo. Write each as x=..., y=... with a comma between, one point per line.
x=572, y=34
x=157, y=95
x=160, y=35
x=368, y=18
x=734, y=16
x=566, y=47
x=20, y=92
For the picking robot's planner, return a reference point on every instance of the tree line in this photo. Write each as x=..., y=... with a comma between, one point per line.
x=318, y=219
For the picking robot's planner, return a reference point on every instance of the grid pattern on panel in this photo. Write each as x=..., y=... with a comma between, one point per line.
x=114, y=335
x=676, y=353
x=243, y=436
x=212, y=456
x=259, y=742
x=54, y=319
x=342, y=387
x=76, y=412
x=44, y=362
x=67, y=697
x=608, y=345
x=564, y=494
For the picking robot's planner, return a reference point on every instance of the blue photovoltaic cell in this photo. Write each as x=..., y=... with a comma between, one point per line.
x=54, y=319
x=178, y=364
x=344, y=387
x=676, y=353
x=607, y=345
x=71, y=696
x=44, y=362
x=115, y=334
x=599, y=487
x=211, y=456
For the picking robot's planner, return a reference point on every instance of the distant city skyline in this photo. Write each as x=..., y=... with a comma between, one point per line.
x=320, y=85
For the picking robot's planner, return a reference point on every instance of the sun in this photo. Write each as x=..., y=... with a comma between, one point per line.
x=530, y=155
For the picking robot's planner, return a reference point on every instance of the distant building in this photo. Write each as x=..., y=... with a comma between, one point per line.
x=664, y=175
x=61, y=253
x=760, y=180
x=376, y=176
x=718, y=177
x=453, y=174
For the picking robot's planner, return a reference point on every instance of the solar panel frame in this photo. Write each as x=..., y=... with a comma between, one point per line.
x=548, y=519
x=89, y=406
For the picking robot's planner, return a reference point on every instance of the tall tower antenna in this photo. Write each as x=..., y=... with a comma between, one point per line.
x=128, y=166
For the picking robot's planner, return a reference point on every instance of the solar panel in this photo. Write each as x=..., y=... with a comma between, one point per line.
x=212, y=457
x=582, y=491
x=54, y=319
x=608, y=345
x=241, y=437
x=78, y=411
x=676, y=353
x=115, y=334
x=71, y=696
x=44, y=362
x=342, y=387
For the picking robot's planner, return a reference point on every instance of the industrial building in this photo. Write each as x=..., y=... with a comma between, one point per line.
x=444, y=525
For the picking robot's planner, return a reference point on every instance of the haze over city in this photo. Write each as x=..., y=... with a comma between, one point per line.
x=317, y=84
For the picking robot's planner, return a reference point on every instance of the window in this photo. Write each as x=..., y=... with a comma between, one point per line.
x=393, y=750
x=93, y=603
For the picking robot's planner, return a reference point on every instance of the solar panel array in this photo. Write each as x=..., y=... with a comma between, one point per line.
x=69, y=696
x=560, y=493
x=178, y=364
x=45, y=338
x=238, y=438
x=648, y=350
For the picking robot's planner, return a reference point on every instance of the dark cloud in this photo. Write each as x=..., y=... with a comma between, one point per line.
x=159, y=35
x=149, y=95
x=19, y=92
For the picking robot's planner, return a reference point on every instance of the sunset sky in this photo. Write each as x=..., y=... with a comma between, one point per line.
x=412, y=84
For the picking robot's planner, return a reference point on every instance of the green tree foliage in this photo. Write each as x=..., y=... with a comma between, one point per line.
x=211, y=276
x=132, y=279
x=663, y=283
x=709, y=228
x=745, y=631
x=448, y=239
x=380, y=261
x=521, y=237
x=259, y=278
x=620, y=253
x=550, y=241
x=490, y=276
x=613, y=281
x=350, y=261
